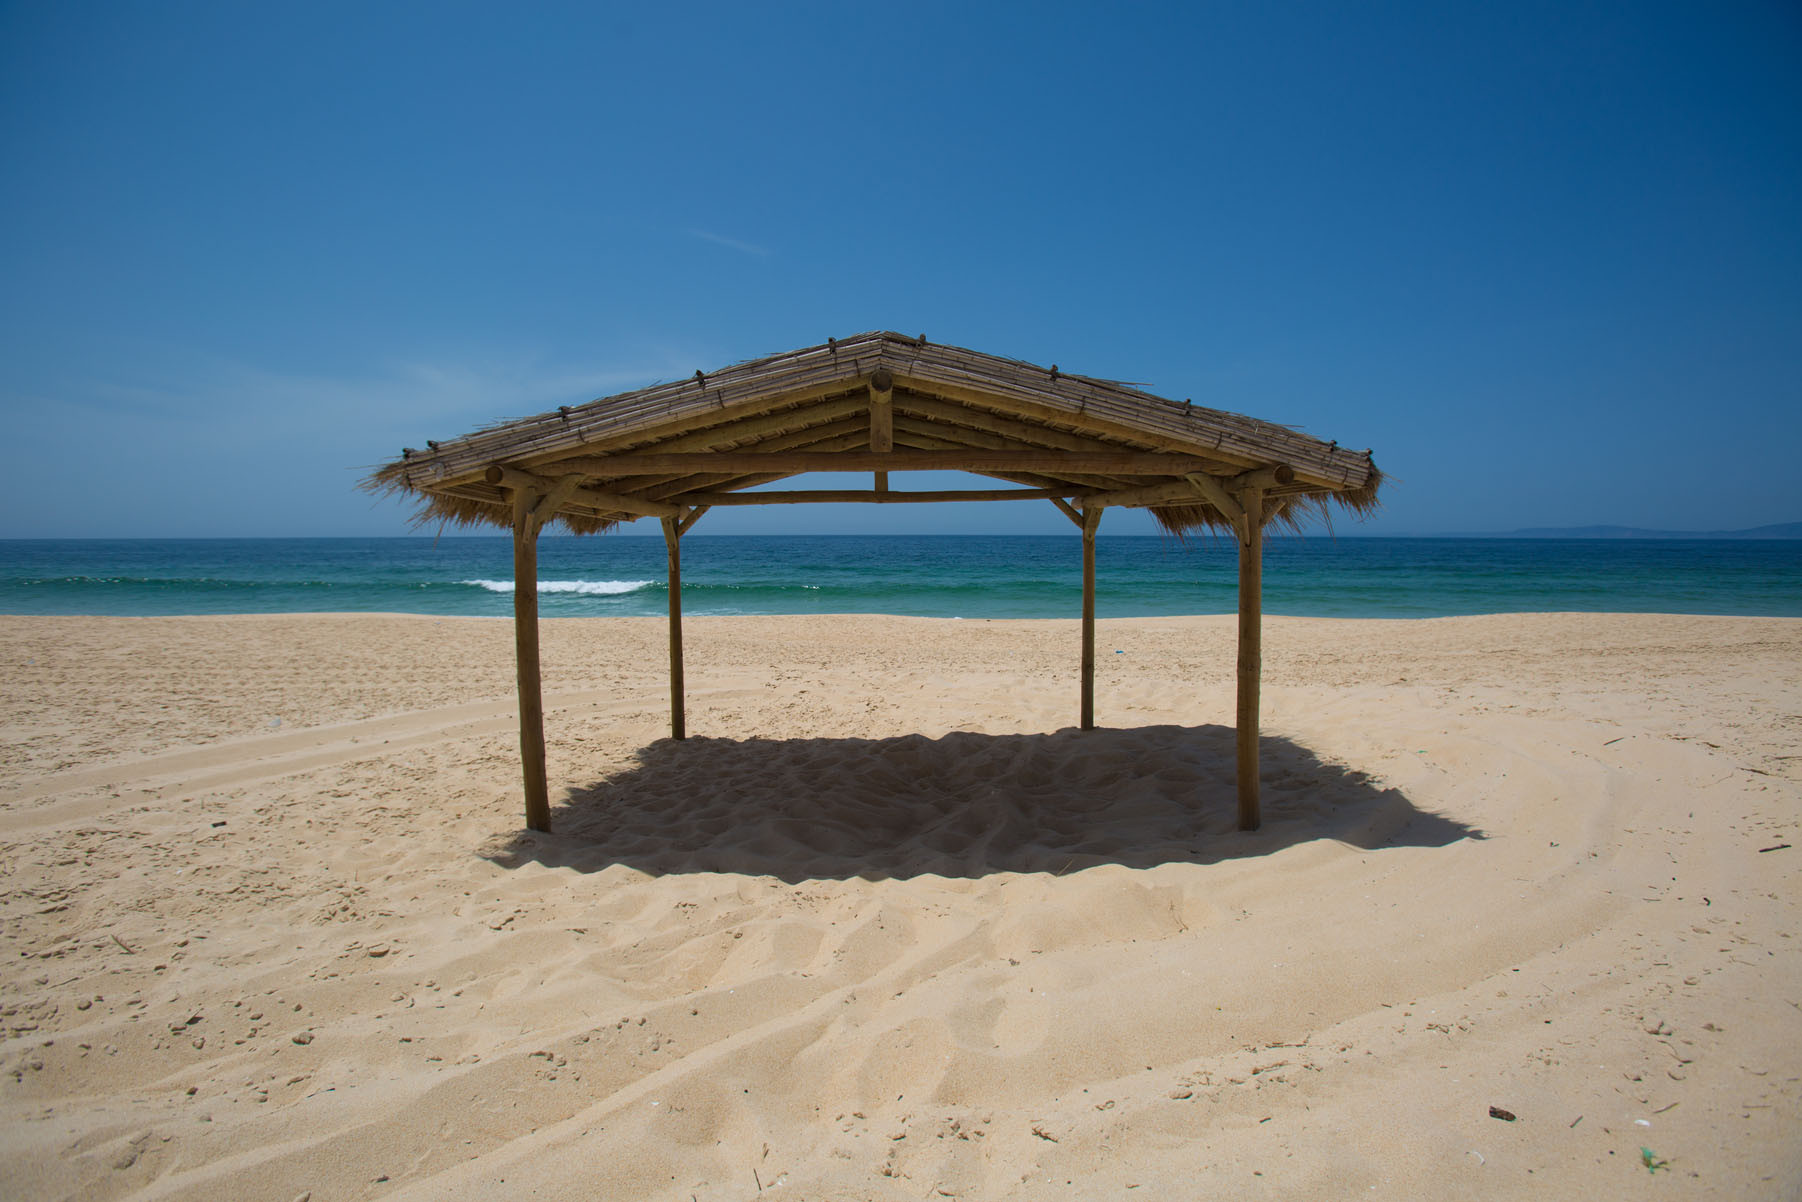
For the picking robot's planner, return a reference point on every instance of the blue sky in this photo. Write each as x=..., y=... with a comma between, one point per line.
x=1545, y=259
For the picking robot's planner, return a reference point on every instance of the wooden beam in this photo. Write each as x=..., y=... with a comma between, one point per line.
x=882, y=411
x=1251, y=653
x=706, y=486
x=687, y=523
x=1263, y=479
x=559, y=494
x=1070, y=511
x=525, y=648
x=1193, y=487
x=882, y=419
x=837, y=496
x=1125, y=463
x=1214, y=492
x=516, y=480
x=1228, y=496
x=672, y=539
x=1175, y=492
x=1091, y=521
x=1063, y=486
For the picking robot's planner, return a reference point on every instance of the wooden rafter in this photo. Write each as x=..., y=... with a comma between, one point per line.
x=593, y=499
x=1013, y=432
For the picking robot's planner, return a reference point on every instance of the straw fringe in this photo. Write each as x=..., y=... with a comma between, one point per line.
x=465, y=513
x=1291, y=513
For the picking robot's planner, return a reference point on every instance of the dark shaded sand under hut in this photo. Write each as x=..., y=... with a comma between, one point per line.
x=881, y=403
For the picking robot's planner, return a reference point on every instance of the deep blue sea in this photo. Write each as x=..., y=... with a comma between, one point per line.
x=932, y=576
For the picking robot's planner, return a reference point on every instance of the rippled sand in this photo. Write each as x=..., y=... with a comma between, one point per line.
x=886, y=926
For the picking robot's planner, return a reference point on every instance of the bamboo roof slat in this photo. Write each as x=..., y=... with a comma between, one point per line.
x=738, y=483
x=848, y=433
x=929, y=438
x=995, y=424
x=745, y=431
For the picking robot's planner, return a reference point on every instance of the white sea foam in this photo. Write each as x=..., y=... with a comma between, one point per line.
x=592, y=588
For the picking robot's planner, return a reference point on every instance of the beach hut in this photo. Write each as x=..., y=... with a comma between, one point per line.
x=885, y=404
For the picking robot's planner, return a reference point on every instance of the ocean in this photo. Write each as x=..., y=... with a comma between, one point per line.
x=929, y=576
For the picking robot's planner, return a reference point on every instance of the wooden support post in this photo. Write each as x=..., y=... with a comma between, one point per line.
x=1216, y=494
x=672, y=538
x=882, y=410
x=1251, y=651
x=1091, y=519
x=882, y=418
x=525, y=645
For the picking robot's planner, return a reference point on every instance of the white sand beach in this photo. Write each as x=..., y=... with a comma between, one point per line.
x=1522, y=920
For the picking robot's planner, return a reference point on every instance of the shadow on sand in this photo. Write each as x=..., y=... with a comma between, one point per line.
x=964, y=805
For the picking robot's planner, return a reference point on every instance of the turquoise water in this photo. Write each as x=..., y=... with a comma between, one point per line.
x=932, y=576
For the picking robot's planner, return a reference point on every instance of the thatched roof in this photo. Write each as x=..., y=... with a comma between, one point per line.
x=880, y=402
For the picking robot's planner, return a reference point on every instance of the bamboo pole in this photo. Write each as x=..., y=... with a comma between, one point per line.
x=1264, y=478
x=882, y=419
x=1228, y=505
x=672, y=539
x=841, y=496
x=1091, y=520
x=525, y=646
x=882, y=411
x=1251, y=652
x=1106, y=463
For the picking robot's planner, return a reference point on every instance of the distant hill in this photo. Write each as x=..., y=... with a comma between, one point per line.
x=1780, y=530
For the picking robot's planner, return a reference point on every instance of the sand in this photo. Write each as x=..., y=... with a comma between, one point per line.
x=1522, y=920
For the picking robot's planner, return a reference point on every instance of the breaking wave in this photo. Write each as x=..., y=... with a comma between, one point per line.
x=590, y=588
